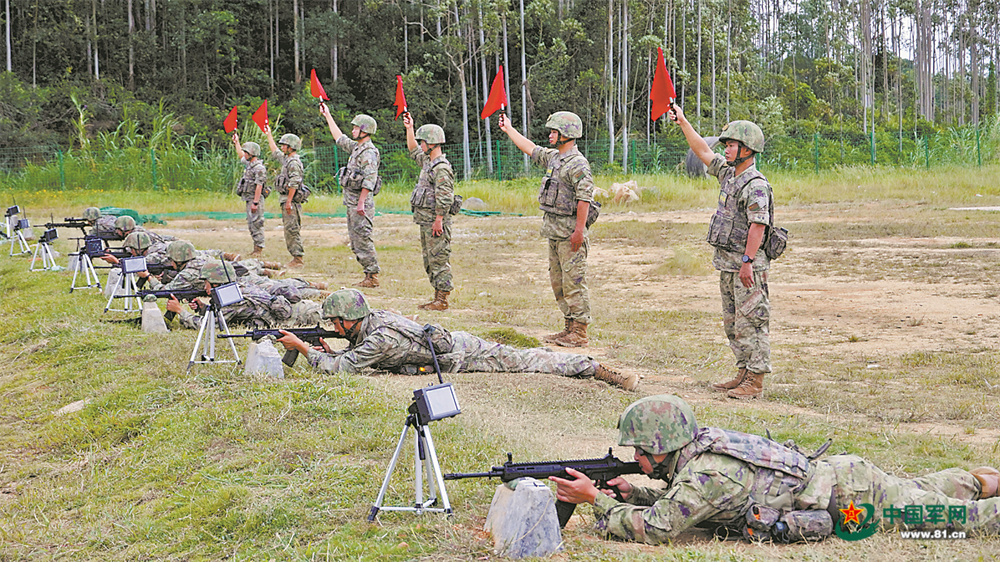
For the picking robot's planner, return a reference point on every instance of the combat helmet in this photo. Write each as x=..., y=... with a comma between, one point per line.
x=431, y=134
x=180, y=251
x=366, y=123
x=217, y=272
x=346, y=304
x=567, y=123
x=125, y=223
x=138, y=241
x=293, y=141
x=657, y=424
x=91, y=213
x=253, y=149
x=746, y=132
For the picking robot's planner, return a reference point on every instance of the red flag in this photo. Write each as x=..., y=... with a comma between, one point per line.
x=498, y=96
x=315, y=87
x=260, y=116
x=400, y=97
x=230, y=123
x=662, y=92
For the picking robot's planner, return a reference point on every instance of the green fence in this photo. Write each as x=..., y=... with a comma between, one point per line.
x=133, y=168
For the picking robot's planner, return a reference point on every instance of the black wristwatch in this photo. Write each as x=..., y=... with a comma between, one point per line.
x=747, y=259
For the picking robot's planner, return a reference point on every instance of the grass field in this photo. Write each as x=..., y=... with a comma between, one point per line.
x=885, y=334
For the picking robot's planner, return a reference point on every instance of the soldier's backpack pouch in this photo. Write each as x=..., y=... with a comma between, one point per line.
x=767, y=523
x=302, y=194
x=777, y=241
x=456, y=205
x=593, y=212
x=440, y=337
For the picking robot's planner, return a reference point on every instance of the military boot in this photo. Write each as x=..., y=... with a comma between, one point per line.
x=369, y=282
x=257, y=252
x=989, y=481
x=317, y=285
x=576, y=337
x=440, y=301
x=271, y=273
x=295, y=263
x=230, y=256
x=729, y=385
x=271, y=264
x=627, y=382
x=551, y=338
x=751, y=387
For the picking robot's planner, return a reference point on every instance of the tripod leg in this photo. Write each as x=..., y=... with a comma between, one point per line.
x=225, y=330
x=197, y=343
x=432, y=453
x=388, y=474
x=418, y=482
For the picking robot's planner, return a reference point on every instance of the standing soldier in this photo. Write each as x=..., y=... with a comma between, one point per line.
x=737, y=231
x=361, y=184
x=291, y=191
x=251, y=188
x=431, y=203
x=565, y=198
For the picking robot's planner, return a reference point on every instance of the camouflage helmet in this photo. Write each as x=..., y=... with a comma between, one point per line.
x=366, y=123
x=746, y=132
x=91, y=213
x=180, y=251
x=125, y=223
x=217, y=272
x=431, y=134
x=346, y=304
x=293, y=141
x=252, y=148
x=138, y=241
x=657, y=424
x=567, y=123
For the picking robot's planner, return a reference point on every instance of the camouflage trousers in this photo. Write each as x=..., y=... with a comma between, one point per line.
x=305, y=313
x=292, y=224
x=860, y=481
x=746, y=314
x=255, y=222
x=437, y=255
x=473, y=354
x=568, y=274
x=359, y=232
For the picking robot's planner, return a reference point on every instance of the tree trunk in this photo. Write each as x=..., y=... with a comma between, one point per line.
x=486, y=93
x=295, y=40
x=131, y=47
x=610, y=80
x=524, y=89
x=7, y=25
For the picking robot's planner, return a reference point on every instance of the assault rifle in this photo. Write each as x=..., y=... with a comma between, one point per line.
x=308, y=335
x=599, y=470
x=70, y=222
x=181, y=295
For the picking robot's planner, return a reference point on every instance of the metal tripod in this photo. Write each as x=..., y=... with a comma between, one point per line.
x=48, y=261
x=18, y=239
x=85, y=264
x=206, y=339
x=126, y=286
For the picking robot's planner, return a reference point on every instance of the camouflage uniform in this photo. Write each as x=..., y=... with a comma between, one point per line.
x=105, y=228
x=294, y=289
x=390, y=342
x=432, y=197
x=254, y=174
x=364, y=162
x=291, y=175
x=567, y=269
x=746, y=311
x=257, y=309
x=156, y=238
x=188, y=278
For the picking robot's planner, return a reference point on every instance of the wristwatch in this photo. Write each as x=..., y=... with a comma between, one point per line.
x=747, y=259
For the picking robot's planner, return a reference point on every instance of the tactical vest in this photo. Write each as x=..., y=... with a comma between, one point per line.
x=246, y=186
x=352, y=177
x=423, y=194
x=282, y=180
x=556, y=197
x=781, y=472
x=729, y=226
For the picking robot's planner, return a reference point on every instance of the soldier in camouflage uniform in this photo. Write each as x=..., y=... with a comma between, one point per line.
x=291, y=191
x=252, y=188
x=361, y=183
x=566, y=198
x=728, y=479
x=432, y=205
x=125, y=225
x=737, y=231
x=379, y=339
x=103, y=225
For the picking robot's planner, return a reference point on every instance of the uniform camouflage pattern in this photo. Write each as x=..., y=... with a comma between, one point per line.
x=187, y=278
x=138, y=241
x=292, y=141
x=180, y=251
x=363, y=163
x=294, y=290
x=746, y=312
x=431, y=134
x=567, y=123
x=657, y=424
x=576, y=175
x=91, y=214
x=290, y=176
x=254, y=174
x=251, y=148
x=105, y=228
x=125, y=223
x=346, y=304
x=366, y=123
x=746, y=132
x=390, y=342
x=432, y=197
x=257, y=310
x=154, y=236
x=218, y=272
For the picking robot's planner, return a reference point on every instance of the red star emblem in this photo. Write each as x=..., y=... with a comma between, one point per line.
x=852, y=513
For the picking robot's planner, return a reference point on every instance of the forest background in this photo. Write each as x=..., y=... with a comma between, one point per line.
x=142, y=83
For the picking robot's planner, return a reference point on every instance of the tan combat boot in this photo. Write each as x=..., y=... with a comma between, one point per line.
x=230, y=256
x=751, y=387
x=257, y=252
x=271, y=273
x=627, y=382
x=440, y=301
x=271, y=264
x=989, y=481
x=729, y=385
x=576, y=337
x=369, y=282
x=317, y=285
x=295, y=263
x=551, y=338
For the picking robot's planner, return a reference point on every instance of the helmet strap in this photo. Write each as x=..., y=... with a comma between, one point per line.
x=664, y=470
x=562, y=140
x=740, y=159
